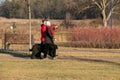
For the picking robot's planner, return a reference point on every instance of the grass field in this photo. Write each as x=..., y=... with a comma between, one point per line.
x=71, y=64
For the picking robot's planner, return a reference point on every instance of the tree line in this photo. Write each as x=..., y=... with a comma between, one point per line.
x=60, y=9
x=54, y=9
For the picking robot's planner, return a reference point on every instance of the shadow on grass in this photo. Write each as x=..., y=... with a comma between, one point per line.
x=90, y=60
x=16, y=53
x=26, y=55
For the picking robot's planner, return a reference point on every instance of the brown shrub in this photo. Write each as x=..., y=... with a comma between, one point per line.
x=94, y=37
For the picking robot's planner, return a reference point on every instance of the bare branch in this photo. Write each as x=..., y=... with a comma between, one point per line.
x=85, y=8
x=96, y=3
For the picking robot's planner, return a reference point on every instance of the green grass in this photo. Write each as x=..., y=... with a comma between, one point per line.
x=61, y=69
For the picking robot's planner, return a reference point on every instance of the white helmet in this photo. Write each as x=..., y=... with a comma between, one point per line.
x=47, y=23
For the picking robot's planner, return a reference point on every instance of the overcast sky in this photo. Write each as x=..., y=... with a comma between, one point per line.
x=1, y=1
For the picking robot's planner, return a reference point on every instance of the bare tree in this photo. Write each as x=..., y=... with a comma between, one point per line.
x=69, y=7
x=104, y=6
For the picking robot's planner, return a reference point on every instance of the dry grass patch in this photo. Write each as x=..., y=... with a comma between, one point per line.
x=57, y=70
x=83, y=68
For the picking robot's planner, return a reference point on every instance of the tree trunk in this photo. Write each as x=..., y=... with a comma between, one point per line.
x=104, y=18
x=105, y=23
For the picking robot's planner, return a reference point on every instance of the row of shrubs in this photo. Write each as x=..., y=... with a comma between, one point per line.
x=94, y=37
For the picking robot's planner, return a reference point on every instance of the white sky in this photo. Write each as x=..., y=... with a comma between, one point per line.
x=1, y=1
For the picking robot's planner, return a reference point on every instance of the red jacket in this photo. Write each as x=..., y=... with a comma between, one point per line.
x=43, y=32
